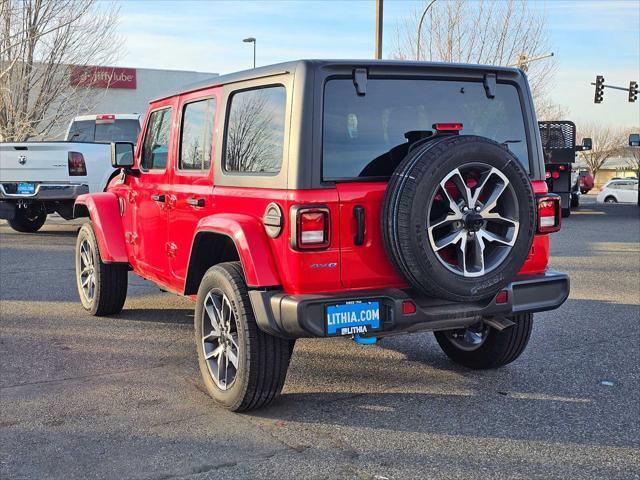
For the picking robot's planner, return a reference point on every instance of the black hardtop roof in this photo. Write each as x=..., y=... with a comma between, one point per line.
x=288, y=67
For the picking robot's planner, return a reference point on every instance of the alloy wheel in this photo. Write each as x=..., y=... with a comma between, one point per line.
x=469, y=339
x=220, y=339
x=87, y=271
x=472, y=219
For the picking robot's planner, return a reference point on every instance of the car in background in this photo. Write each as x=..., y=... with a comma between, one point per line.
x=586, y=181
x=40, y=178
x=619, y=191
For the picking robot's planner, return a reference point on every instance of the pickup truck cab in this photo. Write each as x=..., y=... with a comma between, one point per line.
x=323, y=198
x=38, y=178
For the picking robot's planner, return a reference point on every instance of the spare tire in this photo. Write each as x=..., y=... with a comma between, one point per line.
x=458, y=217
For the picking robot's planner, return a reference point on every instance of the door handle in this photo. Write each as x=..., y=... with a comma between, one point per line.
x=358, y=214
x=158, y=198
x=196, y=202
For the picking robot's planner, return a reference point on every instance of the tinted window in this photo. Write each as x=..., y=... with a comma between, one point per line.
x=156, y=141
x=255, y=131
x=364, y=136
x=197, y=135
x=108, y=131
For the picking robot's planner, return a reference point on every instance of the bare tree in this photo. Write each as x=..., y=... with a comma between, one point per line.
x=607, y=142
x=40, y=40
x=491, y=32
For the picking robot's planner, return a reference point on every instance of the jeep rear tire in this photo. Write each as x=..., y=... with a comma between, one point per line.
x=102, y=286
x=458, y=217
x=28, y=220
x=482, y=347
x=242, y=367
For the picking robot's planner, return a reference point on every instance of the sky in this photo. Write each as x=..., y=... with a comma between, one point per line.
x=587, y=38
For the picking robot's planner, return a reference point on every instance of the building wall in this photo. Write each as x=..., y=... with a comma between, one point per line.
x=606, y=174
x=149, y=84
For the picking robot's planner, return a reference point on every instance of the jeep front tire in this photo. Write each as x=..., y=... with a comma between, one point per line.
x=242, y=367
x=102, y=286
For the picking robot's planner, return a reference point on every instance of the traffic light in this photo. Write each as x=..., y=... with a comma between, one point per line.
x=633, y=91
x=599, y=89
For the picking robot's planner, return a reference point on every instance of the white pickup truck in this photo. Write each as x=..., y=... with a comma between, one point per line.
x=39, y=178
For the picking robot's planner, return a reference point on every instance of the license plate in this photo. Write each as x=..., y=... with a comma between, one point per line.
x=26, y=188
x=352, y=317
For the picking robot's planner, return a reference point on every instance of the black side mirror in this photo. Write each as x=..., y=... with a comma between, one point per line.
x=634, y=140
x=122, y=154
x=587, y=144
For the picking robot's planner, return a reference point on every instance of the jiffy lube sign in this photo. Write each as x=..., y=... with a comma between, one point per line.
x=102, y=77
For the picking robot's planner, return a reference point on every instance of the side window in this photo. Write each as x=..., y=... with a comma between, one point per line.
x=155, y=147
x=197, y=135
x=255, y=131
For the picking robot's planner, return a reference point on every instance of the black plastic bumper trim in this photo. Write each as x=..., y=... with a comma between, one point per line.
x=297, y=316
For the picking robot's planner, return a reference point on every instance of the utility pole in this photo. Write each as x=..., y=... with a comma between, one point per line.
x=378, y=29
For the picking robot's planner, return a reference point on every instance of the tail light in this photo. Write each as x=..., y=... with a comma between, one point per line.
x=549, y=210
x=601, y=189
x=310, y=228
x=77, y=167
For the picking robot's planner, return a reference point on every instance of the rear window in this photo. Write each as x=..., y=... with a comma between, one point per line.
x=104, y=131
x=364, y=136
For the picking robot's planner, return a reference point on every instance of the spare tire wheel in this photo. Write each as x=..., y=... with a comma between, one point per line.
x=458, y=217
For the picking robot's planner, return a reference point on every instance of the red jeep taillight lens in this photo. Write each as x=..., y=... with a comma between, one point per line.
x=77, y=166
x=312, y=228
x=549, y=210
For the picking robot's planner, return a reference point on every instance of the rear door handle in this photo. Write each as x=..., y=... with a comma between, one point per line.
x=158, y=198
x=358, y=214
x=196, y=202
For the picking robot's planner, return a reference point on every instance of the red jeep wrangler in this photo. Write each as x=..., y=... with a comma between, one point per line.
x=332, y=198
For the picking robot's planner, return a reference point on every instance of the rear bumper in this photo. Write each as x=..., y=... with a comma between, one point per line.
x=44, y=191
x=297, y=316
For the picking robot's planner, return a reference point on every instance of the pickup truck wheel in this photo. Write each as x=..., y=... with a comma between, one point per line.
x=482, y=347
x=102, y=286
x=242, y=367
x=458, y=217
x=28, y=220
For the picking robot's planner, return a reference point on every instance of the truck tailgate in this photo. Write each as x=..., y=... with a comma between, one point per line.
x=34, y=162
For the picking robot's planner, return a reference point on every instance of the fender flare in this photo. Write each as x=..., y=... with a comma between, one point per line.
x=104, y=210
x=250, y=239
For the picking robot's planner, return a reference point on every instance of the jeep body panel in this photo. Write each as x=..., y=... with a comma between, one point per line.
x=250, y=239
x=104, y=210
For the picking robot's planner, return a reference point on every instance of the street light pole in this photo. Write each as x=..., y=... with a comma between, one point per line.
x=252, y=40
x=419, y=34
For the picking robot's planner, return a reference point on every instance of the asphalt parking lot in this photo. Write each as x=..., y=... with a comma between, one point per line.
x=121, y=397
